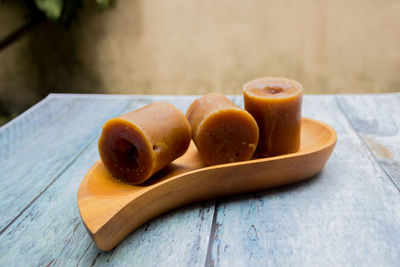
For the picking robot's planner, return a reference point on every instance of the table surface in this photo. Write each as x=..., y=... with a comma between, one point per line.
x=349, y=214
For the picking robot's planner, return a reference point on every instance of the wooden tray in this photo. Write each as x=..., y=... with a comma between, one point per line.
x=111, y=209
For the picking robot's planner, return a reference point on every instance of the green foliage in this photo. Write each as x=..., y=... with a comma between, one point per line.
x=52, y=8
x=59, y=10
x=103, y=3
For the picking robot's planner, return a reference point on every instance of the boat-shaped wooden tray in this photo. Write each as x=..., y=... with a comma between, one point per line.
x=111, y=209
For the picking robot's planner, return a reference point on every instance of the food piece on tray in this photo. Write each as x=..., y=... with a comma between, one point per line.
x=222, y=131
x=275, y=103
x=138, y=144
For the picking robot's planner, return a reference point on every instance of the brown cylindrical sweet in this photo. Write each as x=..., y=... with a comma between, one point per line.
x=222, y=131
x=275, y=103
x=136, y=145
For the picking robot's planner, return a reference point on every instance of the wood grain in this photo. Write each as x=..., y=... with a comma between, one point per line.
x=40, y=162
x=348, y=215
x=26, y=127
x=65, y=241
x=51, y=231
x=377, y=121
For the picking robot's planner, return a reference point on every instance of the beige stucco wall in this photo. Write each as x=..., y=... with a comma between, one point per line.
x=200, y=46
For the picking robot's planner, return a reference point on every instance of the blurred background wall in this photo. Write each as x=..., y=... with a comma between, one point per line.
x=200, y=46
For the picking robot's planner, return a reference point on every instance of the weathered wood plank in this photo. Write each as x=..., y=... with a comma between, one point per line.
x=26, y=127
x=9, y=139
x=347, y=215
x=34, y=167
x=51, y=231
x=45, y=229
x=377, y=120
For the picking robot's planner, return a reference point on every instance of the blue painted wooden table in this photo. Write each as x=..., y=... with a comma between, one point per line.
x=348, y=215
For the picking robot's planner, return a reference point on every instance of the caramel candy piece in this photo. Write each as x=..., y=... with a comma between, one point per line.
x=136, y=145
x=275, y=103
x=222, y=131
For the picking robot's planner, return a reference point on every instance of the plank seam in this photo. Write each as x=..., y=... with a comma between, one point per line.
x=365, y=144
x=209, y=261
x=84, y=253
x=95, y=259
